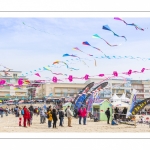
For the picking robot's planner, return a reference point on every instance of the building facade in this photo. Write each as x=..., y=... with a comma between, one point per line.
x=11, y=91
x=118, y=86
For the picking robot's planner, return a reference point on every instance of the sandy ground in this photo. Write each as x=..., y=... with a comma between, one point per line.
x=10, y=124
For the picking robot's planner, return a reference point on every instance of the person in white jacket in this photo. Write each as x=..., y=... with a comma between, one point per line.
x=69, y=115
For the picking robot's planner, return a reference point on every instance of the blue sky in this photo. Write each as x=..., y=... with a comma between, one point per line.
x=26, y=49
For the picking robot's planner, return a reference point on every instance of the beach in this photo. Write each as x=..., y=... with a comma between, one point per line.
x=10, y=123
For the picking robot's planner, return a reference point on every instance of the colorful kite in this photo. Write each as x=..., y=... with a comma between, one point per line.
x=87, y=44
x=97, y=36
x=132, y=24
x=75, y=48
x=75, y=56
x=106, y=27
x=37, y=74
x=57, y=62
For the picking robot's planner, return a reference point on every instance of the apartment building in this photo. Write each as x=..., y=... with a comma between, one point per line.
x=10, y=91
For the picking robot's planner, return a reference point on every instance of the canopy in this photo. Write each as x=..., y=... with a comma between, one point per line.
x=120, y=104
x=115, y=98
x=124, y=99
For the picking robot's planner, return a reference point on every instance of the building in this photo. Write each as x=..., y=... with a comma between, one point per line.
x=10, y=91
x=59, y=90
x=115, y=86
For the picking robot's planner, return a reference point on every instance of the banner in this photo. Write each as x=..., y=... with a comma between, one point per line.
x=95, y=95
x=140, y=106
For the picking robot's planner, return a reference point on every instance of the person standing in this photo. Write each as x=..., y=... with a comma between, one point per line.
x=25, y=116
x=31, y=117
x=54, y=116
x=61, y=117
x=7, y=111
x=84, y=115
x=42, y=115
x=49, y=117
x=28, y=118
x=80, y=112
x=108, y=115
x=20, y=117
x=1, y=112
x=69, y=115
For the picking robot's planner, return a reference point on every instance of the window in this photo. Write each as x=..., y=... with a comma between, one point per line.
x=15, y=75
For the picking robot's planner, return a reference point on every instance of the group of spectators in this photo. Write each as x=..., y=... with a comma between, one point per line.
x=120, y=114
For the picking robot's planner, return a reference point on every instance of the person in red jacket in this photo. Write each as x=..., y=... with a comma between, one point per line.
x=28, y=118
x=84, y=115
x=80, y=111
x=25, y=116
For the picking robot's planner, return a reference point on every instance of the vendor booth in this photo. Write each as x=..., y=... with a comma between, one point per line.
x=115, y=98
x=124, y=98
x=98, y=110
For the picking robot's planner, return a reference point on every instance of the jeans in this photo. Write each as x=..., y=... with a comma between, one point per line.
x=1, y=114
x=49, y=123
x=61, y=121
x=54, y=123
x=80, y=118
x=108, y=117
x=84, y=120
x=41, y=119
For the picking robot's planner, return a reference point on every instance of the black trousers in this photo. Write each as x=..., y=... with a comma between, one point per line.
x=54, y=123
x=108, y=117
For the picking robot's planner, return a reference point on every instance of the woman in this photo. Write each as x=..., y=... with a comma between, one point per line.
x=49, y=117
x=54, y=116
x=28, y=117
x=84, y=115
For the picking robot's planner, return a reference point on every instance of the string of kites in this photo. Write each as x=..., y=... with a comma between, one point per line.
x=70, y=78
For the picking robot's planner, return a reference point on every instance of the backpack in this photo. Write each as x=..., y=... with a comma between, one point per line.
x=22, y=112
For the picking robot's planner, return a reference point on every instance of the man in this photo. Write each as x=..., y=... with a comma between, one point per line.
x=42, y=115
x=124, y=112
x=69, y=115
x=61, y=117
x=108, y=115
x=31, y=108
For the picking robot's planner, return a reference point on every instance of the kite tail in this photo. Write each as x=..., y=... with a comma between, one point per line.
x=108, y=43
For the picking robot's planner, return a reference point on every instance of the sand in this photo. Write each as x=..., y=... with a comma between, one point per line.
x=10, y=124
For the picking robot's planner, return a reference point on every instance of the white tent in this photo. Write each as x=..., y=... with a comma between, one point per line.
x=120, y=104
x=124, y=99
x=115, y=98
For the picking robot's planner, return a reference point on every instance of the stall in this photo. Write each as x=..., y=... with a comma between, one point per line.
x=124, y=98
x=114, y=98
x=98, y=110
